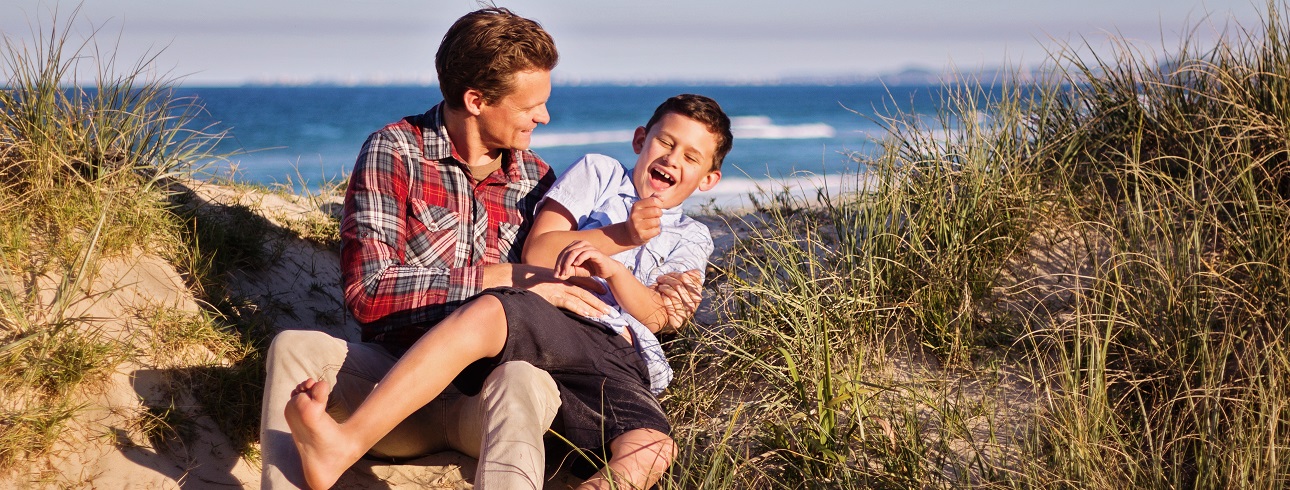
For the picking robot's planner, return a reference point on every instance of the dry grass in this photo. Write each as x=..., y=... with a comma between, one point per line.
x=1083, y=283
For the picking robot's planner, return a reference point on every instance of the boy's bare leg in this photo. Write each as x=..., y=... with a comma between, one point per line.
x=640, y=458
x=474, y=331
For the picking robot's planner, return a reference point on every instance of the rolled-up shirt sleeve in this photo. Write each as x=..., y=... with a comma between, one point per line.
x=586, y=185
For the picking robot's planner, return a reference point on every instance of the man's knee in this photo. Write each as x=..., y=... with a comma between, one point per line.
x=518, y=384
x=291, y=343
x=304, y=354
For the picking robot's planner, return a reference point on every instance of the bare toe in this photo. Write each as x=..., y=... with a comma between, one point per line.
x=325, y=452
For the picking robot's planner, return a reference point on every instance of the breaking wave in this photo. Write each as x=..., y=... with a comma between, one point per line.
x=743, y=127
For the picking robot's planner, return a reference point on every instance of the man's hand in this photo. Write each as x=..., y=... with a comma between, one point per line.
x=561, y=294
x=645, y=221
x=581, y=259
x=681, y=292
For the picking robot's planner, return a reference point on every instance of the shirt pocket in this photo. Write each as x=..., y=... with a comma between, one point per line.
x=509, y=242
x=433, y=235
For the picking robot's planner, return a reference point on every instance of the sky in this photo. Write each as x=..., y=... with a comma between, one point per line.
x=232, y=42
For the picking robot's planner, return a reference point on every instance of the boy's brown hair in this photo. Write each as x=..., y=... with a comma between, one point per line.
x=484, y=50
x=707, y=112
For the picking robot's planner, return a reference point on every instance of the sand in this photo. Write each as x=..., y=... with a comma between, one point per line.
x=103, y=448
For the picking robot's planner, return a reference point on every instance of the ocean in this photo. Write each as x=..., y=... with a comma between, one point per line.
x=803, y=135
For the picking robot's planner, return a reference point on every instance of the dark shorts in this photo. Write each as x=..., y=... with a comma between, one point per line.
x=603, y=381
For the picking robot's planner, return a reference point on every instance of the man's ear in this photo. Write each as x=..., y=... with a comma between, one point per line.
x=709, y=181
x=638, y=140
x=474, y=101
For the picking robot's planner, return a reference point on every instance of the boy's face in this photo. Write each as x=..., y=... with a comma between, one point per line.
x=675, y=159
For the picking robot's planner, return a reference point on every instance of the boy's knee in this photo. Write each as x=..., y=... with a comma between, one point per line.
x=666, y=449
x=481, y=315
x=670, y=455
x=649, y=447
x=488, y=307
x=479, y=324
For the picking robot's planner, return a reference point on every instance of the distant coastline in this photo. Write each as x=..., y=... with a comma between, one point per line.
x=914, y=75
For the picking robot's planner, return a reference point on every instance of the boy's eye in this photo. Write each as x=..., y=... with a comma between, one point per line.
x=665, y=143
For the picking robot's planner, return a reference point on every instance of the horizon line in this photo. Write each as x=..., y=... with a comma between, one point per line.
x=906, y=76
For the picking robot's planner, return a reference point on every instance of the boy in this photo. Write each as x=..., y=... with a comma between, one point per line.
x=607, y=365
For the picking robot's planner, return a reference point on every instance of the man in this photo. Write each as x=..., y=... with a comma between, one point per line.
x=437, y=208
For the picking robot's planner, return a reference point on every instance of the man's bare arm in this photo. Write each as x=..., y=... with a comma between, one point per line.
x=542, y=281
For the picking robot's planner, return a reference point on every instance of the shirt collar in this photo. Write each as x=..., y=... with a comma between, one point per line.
x=438, y=147
x=435, y=144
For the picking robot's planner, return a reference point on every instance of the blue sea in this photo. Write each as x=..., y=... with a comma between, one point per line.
x=307, y=135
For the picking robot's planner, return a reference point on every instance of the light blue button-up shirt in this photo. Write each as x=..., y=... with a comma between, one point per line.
x=598, y=191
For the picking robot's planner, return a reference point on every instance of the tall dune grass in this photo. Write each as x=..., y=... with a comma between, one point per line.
x=1177, y=352
x=1080, y=283
x=72, y=150
x=83, y=171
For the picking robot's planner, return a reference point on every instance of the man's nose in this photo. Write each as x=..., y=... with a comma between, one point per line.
x=542, y=116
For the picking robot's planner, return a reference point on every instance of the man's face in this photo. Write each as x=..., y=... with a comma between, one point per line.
x=675, y=159
x=508, y=123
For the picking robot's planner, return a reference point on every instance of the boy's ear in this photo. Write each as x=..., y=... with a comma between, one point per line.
x=638, y=140
x=474, y=101
x=709, y=181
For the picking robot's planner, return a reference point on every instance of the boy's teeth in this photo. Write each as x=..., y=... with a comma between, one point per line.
x=663, y=176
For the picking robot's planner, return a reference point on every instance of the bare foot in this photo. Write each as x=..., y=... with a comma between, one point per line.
x=325, y=451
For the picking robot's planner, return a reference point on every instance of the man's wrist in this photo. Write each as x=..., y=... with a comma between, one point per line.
x=498, y=275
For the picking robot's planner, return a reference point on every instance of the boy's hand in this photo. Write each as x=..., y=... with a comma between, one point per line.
x=646, y=220
x=681, y=293
x=581, y=259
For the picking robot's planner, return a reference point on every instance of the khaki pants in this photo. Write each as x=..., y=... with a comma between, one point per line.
x=504, y=423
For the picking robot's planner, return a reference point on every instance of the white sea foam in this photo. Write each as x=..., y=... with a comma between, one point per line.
x=743, y=127
x=737, y=193
x=550, y=140
x=760, y=127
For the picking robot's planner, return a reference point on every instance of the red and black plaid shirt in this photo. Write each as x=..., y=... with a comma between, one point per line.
x=416, y=229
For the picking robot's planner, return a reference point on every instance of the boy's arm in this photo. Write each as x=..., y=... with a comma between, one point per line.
x=643, y=303
x=555, y=228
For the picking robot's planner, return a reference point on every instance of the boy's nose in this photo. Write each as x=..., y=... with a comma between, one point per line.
x=673, y=157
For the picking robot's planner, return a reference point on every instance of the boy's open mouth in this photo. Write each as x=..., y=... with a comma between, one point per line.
x=661, y=180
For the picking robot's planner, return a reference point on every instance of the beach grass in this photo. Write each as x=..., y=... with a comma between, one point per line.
x=88, y=148
x=1080, y=282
